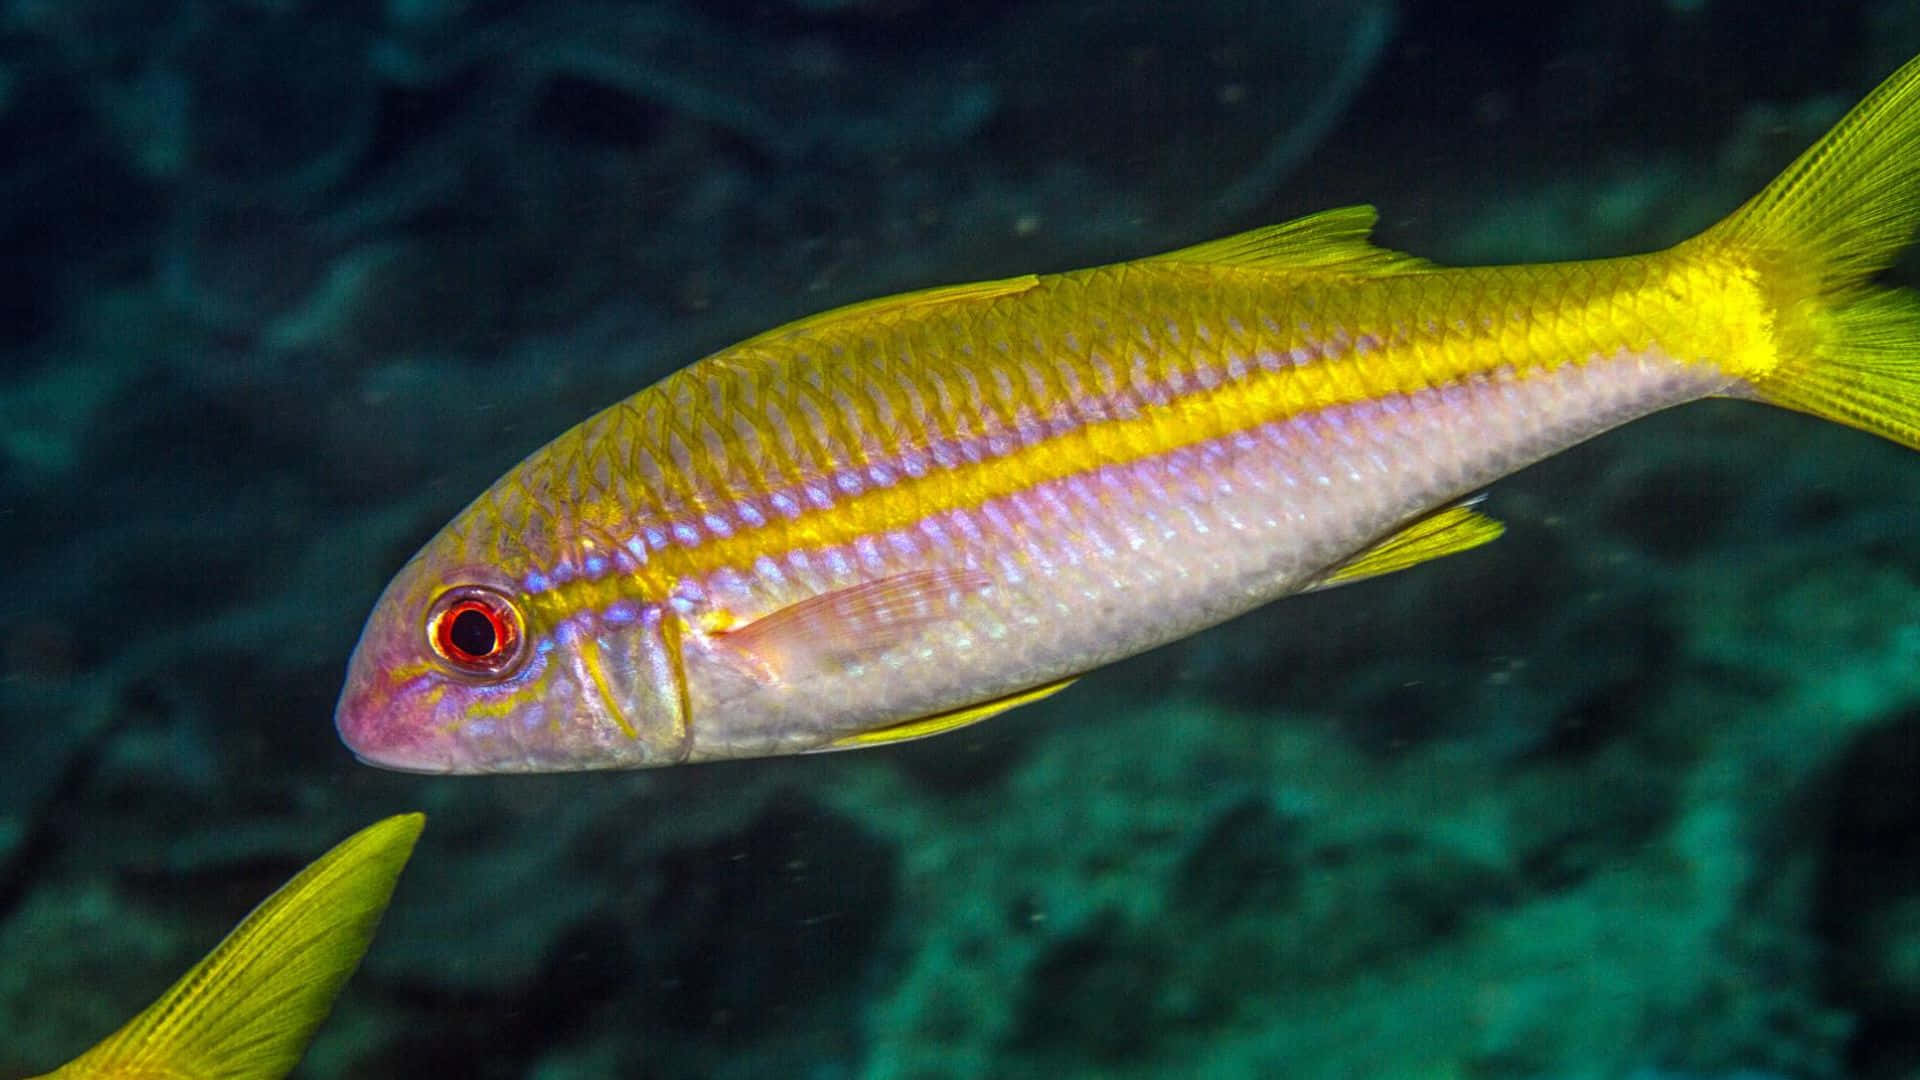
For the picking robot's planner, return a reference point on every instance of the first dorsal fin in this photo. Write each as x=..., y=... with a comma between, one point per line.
x=885, y=307
x=1332, y=241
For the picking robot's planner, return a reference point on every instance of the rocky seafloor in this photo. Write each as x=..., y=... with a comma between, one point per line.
x=1629, y=793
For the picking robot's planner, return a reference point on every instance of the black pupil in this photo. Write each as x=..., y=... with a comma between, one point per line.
x=472, y=633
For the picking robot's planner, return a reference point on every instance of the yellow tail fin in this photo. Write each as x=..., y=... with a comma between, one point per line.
x=247, y=1010
x=1838, y=215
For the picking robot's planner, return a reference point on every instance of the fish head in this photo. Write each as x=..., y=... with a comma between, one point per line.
x=471, y=663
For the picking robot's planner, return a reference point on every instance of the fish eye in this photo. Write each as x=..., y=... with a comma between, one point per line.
x=476, y=630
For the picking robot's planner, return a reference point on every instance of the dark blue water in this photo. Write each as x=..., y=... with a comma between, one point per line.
x=1629, y=793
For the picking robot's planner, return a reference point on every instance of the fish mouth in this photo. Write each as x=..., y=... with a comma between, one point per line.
x=373, y=742
x=413, y=768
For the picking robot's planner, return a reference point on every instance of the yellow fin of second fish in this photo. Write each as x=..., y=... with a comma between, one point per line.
x=1332, y=241
x=1446, y=532
x=946, y=721
x=247, y=1010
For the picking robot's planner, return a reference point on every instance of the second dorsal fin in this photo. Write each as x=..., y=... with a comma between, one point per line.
x=1333, y=241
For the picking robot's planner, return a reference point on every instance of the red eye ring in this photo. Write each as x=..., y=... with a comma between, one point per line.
x=475, y=630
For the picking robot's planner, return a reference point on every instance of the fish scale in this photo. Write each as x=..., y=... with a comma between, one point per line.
x=906, y=515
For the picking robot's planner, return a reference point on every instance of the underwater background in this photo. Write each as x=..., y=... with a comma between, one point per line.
x=1630, y=793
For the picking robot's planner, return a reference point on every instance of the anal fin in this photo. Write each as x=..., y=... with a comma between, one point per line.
x=1444, y=532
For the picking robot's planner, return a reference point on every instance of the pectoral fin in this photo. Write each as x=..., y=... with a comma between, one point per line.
x=1445, y=532
x=943, y=722
x=865, y=618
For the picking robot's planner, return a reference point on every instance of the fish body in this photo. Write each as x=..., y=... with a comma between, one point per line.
x=906, y=515
x=248, y=1009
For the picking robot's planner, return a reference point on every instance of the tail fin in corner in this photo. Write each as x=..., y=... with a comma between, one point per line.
x=1841, y=213
x=247, y=1010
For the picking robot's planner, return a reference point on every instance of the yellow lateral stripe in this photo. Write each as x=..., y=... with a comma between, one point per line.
x=1695, y=310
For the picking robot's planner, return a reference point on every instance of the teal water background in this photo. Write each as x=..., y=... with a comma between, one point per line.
x=1629, y=793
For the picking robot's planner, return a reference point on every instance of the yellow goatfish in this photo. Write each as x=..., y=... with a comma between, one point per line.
x=910, y=514
x=248, y=1009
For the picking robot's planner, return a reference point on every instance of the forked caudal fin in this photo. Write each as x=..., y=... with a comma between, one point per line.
x=1848, y=350
x=247, y=1010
